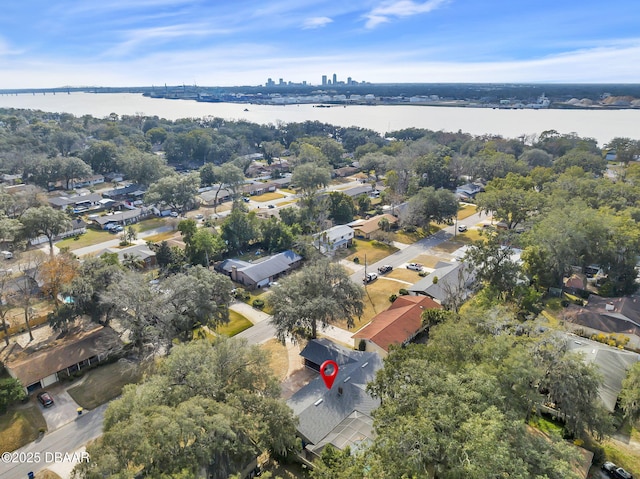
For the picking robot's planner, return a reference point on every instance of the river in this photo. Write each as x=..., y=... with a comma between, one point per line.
x=603, y=125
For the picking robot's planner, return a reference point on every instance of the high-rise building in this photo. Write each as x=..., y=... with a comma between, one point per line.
x=335, y=79
x=349, y=81
x=324, y=80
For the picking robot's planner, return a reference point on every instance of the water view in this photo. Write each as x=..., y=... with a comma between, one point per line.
x=598, y=124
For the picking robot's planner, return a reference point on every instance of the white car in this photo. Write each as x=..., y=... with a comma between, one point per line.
x=462, y=228
x=414, y=266
x=370, y=277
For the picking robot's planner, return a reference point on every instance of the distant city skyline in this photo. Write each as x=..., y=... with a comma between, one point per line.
x=57, y=43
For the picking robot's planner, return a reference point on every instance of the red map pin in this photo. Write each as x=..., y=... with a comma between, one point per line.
x=329, y=376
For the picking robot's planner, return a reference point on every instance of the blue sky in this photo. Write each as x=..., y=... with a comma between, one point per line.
x=46, y=43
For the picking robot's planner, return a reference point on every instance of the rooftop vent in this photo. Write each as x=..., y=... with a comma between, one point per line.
x=318, y=402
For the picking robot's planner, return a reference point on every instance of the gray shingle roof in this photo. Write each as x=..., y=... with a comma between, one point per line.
x=272, y=266
x=612, y=364
x=321, y=410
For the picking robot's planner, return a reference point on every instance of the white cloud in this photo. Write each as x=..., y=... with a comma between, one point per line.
x=316, y=22
x=398, y=9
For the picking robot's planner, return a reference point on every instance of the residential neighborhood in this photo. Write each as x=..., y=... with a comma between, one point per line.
x=491, y=283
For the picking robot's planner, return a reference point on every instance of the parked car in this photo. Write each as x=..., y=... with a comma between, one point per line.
x=271, y=206
x=620, y=473
x=7, y=254
x=609, y=467
x=199, y=216
x=370, y=277
x=462, y=228
x=245, y=199
x=385, y=268
x=45, y=399
x=414, y=266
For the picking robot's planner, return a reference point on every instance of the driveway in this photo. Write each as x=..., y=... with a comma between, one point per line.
x=64, y=410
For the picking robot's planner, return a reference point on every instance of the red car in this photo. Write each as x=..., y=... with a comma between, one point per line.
x=45, y=399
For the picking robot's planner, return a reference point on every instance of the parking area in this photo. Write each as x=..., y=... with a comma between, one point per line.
x=63, y=411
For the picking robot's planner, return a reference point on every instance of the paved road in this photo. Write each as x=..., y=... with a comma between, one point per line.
x=405, y=255
x=67, y=439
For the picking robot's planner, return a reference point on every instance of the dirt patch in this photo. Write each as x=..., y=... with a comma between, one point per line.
x=279, y=358
x=296, y=381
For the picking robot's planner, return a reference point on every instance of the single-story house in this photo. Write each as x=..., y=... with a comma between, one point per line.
x=89, y=181
x=469, y=191
x=209, y=197
x=78, y=203
x=452, y=278
x=130, y=191
x=365, y=228
x=78, y=227
x=262, y=273
x=342, y=415
x=281, y=182
x=333, y=239
x=125, y=217
x=606, y=315
x=140, y=251
x=40, y=366
x=346, y=171
x=358, y=190
x=612, y=364
x=398, y=325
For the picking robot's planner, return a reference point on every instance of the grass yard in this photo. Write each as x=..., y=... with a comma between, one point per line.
x=167, y=235
x=20, y=425
x=150, y=224
x=449, y=246
x=466, y=210
x=372, y=252
x=403, y=274
x=104, y=383
x=376, y=300
x=428, y=261
x=237, y=323
x=47, y=474
x=278, y=358
x=408, y=238
x=624, y=455
x=91, y=237
x=267, y=197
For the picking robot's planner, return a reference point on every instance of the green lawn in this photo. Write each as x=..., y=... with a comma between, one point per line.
x=373, y=252
x=465, y=211
x=237, y=323
x=20, y=425
x=91, y=237
x=267, y=197
x=104, y=383
x=408, y=238
x=167, y=235
x=150, y=224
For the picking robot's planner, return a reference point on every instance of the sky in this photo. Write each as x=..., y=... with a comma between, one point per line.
x=55, y=43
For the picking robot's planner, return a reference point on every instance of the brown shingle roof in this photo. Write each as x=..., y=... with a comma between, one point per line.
x=398, y=323
x=30, y=367
x=371, y=225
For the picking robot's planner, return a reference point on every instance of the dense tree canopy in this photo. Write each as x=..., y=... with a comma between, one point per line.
x=307, y=301
x=207, y=407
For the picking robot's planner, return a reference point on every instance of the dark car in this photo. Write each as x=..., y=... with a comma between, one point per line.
x=622, y=474
x=45, y=399
x=609, y=467
x=385, y=268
